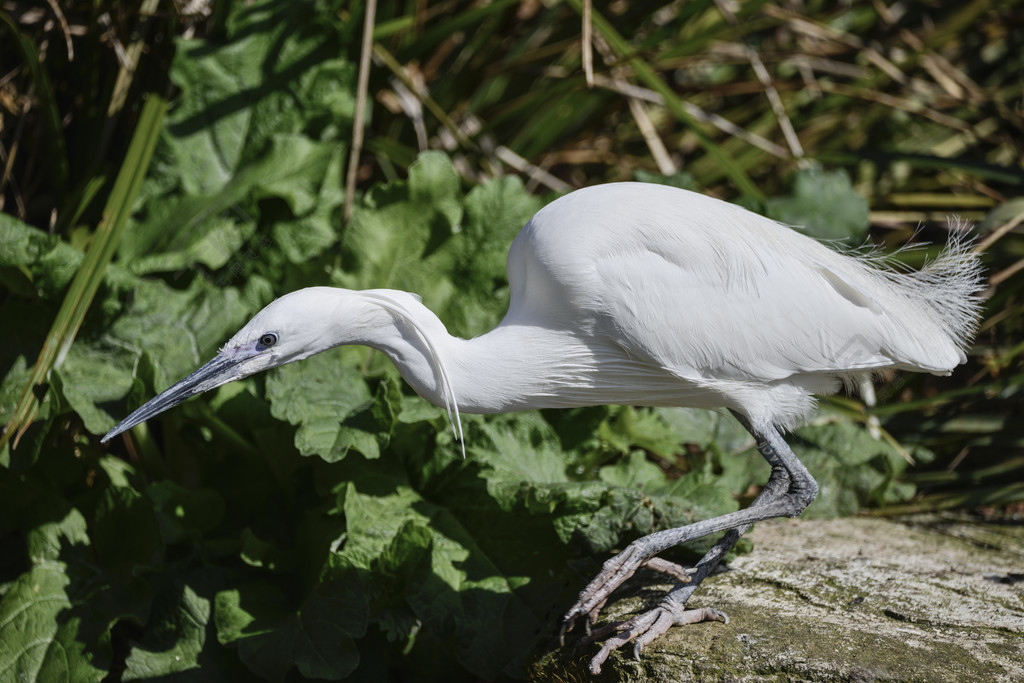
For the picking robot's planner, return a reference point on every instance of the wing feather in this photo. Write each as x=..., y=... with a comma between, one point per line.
x=709, y=291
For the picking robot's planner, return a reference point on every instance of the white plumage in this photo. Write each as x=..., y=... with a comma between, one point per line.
x=643, y=294
x=744, y=312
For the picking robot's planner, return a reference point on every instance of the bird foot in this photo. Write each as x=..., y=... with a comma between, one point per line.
x=644, y=628
x=613, y=574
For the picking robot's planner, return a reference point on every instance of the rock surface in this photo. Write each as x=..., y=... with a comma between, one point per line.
x=861, y=599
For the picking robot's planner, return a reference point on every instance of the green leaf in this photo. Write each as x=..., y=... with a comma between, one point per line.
x=450, y=584
x=176, y=329
x=182, y=513
x=634, y=471
x=852, y=468
x=127, y=544
x=316, y=207
x=33, y=262
x=633, y=427
x=256, y=136
x=266, y=78
x=318, y=395
x=93, y=266
x=317, y=638
x=495, y=212
x=38, y=639
x=398, y=232
x=519, y=448
x=706, y=427
x=303, y=174
x=174, y=639
x=95, y=374
x=10, y=388
x=39, y=631
x=824, y=205
x=211, y=243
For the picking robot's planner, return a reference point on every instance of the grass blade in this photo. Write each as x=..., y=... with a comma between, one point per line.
x=90, y=273
x=653, y=81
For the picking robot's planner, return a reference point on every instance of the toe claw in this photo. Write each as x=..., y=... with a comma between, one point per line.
x=712, y=614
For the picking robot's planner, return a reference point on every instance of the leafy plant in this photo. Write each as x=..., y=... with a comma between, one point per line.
x=319, y=522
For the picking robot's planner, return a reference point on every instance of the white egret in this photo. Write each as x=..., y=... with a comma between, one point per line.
x=645, y=295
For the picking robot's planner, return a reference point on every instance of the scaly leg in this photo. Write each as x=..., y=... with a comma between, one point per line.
x=788, y=491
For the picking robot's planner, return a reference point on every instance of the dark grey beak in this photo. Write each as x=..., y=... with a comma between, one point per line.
x=226, y=367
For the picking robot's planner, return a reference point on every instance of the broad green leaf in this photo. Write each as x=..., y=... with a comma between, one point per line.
x=127, y=544
x=36, y=264
x=211, y=244
x=46, y=541
x=318, y=395
x=634, y=471
x=824, y=205
x=705, y=427
x=303, y=174
x=851, y=468
x=256, y=135
x=94, y=374
x=38, y=636
x=265, y=79
x=315, y=199
x=495, y=212
x=176, y=329
x=451, y=583
x=317, y=638
x=11, y=386
x=40, y=632
x=174, y=640
x=632, y=427
x=520, y=448
x=400, y=234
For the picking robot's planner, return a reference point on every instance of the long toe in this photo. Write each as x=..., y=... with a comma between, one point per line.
x=646, y=627
x=613, y=574
x=676, y=571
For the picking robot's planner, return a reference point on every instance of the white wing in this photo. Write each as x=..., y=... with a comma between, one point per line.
x=709, y=291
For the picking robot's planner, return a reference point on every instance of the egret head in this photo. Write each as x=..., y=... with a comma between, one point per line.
x=288, y=329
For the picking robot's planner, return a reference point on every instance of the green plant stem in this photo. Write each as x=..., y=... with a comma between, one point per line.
x=94, y=265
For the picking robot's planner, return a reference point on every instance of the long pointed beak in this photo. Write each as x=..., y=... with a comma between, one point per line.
x=226, y=367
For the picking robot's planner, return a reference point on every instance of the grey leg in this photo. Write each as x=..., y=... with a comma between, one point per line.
x=788, y=491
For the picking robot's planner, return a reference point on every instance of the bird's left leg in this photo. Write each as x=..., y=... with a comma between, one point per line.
x=788, y=491
x=671, y=611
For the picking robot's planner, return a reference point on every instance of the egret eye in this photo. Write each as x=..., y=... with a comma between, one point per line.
x=268, y=339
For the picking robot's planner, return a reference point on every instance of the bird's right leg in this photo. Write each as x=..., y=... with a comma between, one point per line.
x=788, y=491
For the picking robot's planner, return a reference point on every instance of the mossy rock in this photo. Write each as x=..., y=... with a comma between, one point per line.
x=916, y=599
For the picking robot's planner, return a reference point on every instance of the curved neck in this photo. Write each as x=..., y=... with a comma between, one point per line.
x=513, y=367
